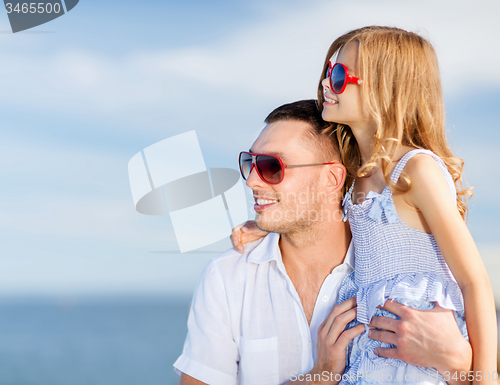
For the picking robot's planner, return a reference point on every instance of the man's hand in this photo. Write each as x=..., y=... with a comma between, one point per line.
x=333, y=339
x=429, y=338
x=188, y=380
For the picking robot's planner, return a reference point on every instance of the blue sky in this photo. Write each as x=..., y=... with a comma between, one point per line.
x=81, y=95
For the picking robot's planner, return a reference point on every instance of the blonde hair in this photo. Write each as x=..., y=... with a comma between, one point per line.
x=402, y=92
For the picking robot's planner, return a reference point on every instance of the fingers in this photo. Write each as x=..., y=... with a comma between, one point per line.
x=394, y=307
x=382, y=336
x=437, y=307
x=387, y=352
x=385, y=323
x=250, y=232
x=236, y=238
x=336, y=311
x=336, y=322
x=248, y=226
x=244, y=233
x=349, y=334
x=237, y=245
x=339, y=324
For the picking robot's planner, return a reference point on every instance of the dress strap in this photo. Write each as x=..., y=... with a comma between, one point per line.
x=352, y=187
x=347, y=202
x=402, y=163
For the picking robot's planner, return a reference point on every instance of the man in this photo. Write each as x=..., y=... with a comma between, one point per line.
x=267, y=316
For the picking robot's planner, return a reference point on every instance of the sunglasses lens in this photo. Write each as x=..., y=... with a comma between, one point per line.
x=245, y=164
x=338, y=78
x=269, y=168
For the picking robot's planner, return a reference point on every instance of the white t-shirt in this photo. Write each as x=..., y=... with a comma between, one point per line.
x=247, y=325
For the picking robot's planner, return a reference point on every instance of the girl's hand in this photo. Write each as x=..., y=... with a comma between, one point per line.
x=333, y=340
x=244, y=233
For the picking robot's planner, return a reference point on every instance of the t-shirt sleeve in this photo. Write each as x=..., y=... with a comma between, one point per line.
x=210, y=353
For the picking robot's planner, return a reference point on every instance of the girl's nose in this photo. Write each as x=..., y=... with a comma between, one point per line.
x=325, y=83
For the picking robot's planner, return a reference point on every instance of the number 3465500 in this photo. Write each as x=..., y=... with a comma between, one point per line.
x=33, y=8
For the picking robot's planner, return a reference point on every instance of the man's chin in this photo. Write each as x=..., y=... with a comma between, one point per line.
x=265, y=225
x=271, y=226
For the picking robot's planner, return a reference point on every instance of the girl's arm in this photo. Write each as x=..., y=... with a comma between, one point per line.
x=244, y=233
x=430, y=194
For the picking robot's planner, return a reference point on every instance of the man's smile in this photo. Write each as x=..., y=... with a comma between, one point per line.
x=261, y=203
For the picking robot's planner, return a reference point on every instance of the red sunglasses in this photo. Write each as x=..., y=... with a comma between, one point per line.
x=339, y=77
x=270, y=168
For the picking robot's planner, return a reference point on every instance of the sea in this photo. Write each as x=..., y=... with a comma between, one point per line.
x=131, y=340
x=125, y=340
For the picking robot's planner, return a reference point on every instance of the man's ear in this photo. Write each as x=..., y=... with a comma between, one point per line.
x=336, y=174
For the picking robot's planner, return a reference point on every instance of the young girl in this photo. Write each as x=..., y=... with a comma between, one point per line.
x=406, y=216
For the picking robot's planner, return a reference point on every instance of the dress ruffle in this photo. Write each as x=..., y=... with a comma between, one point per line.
x=427, y=287
x=418, y=291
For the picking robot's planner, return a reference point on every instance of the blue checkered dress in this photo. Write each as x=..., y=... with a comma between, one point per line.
x=393, y=261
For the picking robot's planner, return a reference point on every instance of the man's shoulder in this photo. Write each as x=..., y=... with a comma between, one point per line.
x=231, y=264
x=232, y=257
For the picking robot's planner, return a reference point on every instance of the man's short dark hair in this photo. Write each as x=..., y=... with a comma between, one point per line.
x=307, y=111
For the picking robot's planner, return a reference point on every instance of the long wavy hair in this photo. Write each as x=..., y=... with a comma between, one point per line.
x=402, y=92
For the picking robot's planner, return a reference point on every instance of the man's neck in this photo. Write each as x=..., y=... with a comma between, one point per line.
x=316, y=251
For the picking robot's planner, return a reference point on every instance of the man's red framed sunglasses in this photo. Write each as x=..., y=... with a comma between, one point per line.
x=270, y=168
x=339, y=77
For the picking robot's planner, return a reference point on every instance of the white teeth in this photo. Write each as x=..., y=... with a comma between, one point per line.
x=261, y=202
x=330, y=100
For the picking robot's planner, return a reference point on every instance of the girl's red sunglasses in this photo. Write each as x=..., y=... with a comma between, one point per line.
x=339, y=77
x=270, y=168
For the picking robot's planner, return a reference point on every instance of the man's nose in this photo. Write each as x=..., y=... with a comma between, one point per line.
x=254, y=180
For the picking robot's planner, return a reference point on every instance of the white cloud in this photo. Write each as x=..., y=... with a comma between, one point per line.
x=75, y=199
x=282, y=56
x=278, y=58
x=71, y=193
x=74, y=194
x=68, y=225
